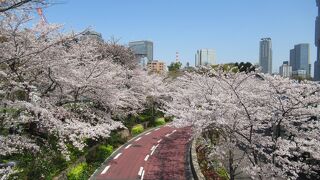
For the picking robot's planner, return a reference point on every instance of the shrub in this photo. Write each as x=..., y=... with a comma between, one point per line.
x=99, y=154
x=75, y=153
x=42, y=165
x=115, y=139
x=79, y=172
x=106, y=151
x=137, y=129
x=129, y=121
x=169, y=118
x=144, y=117
x=222, y=173
x=160, y=121
x=11, y=112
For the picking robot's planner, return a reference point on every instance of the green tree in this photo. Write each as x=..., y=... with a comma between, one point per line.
x=175, y=66
x=245, y=67
x=175, y=69
x=230, y=67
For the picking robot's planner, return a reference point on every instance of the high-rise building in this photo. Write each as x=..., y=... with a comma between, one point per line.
x=205, y=57
x=142, y=50
x=285, y=69
x=300, y=59
x=317, y=43
x=90, y=34
x=265, y=59
x=317, y=71
x=156, y=67
x=292, y=60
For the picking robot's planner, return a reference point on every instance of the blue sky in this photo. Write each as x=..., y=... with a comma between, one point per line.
x=232, y=27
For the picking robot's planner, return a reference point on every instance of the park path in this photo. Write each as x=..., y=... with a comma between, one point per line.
x=160, y=154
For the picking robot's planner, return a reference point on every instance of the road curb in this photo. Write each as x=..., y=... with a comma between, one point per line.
x=195, y=167
x=189, y=170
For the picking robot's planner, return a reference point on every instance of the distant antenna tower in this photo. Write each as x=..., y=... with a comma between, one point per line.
x=41, y=15
x=177, y=57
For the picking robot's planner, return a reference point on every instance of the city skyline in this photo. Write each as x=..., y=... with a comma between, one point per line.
x=205, y=57
x=233, y=28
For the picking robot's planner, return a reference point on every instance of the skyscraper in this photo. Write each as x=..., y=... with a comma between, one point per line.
x=292, y=61
x=143, y=50
x=300, y=59
x=265, y=59
x=317, y=43
x=205, y=57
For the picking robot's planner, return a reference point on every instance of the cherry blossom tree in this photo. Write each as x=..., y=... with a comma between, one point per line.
x=33, y=56
x=121, y=55
x=267, y=125
x=62, y=85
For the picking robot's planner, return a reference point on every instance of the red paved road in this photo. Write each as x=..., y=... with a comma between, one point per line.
x=169, y=163
x=160, y=154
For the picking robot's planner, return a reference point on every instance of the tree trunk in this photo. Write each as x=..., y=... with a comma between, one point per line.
x=231, y=169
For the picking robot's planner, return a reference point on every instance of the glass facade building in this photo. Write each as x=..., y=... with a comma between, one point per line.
x=205, y=57
x=265, y=57
x=89, y=34
x=317, y=43
x=142, y=49
x=293, y=59
x=300, y=58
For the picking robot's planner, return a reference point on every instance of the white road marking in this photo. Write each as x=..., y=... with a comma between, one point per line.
x=138, y=139
x=152, y=152
x=105, y=170
x=140, y=171
x=156, y=129
x=148, y=133
x=154, y=149
x=167, y=135
x=142, y=175
x=146, y=158
x=117, y=156
x=159, y=140
x=128, y=146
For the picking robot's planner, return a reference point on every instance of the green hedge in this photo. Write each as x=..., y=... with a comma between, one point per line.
x=160, y=121
x=137, y=129
x=79, y=172
x=99, y=154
